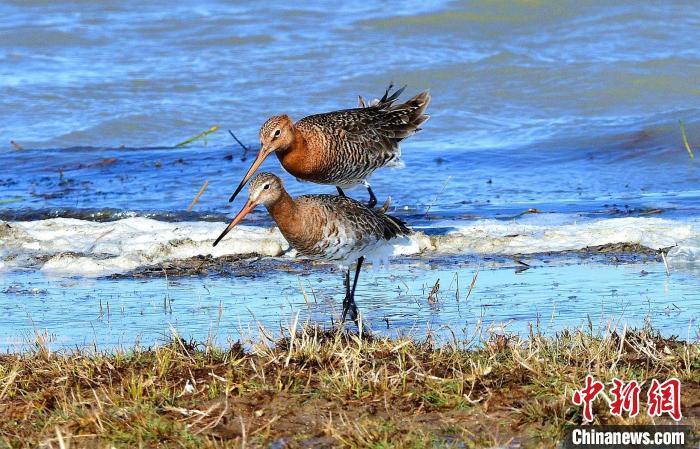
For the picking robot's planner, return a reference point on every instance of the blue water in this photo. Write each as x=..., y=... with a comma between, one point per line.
x=563, y=107
x=551, y=296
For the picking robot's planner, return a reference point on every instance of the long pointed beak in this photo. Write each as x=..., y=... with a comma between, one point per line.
x=249, y=206
x=264, y=152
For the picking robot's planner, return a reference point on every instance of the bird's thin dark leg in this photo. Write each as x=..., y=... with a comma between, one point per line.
x=340, y=191
x=352, y=305
x=372, y=197
x=346, y=300
x=358, y=267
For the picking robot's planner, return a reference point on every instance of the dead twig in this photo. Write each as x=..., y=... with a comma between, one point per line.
x=199, y=194
x=435, y=199
x=432, y=296
x=663, y=257
x=245, y=148
x=471, y=286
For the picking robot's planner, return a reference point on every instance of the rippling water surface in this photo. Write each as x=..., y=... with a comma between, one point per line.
x=570, y=109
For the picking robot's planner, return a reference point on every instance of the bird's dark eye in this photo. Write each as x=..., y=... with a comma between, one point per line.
x=267, y=186
x=277, y=133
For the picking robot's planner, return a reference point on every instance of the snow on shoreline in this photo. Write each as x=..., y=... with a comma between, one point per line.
x=72, y=247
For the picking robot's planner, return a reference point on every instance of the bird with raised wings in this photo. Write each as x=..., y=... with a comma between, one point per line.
x=342, y=148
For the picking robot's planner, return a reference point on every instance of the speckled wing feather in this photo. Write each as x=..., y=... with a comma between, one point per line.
x=370, y=221
x=350, y=228
x=364, y=139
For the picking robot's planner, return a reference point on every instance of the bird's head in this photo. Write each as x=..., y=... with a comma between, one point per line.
x=266, y=189
x=276, y=134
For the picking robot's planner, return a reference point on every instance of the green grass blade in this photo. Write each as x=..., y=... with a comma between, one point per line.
x=198, y=136
x=13, y=199
x=685, y=141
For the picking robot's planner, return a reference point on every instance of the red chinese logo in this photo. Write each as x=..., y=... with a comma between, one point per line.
x=665, y=398
x=587, y=395
x=661, y=398
x=625, y=398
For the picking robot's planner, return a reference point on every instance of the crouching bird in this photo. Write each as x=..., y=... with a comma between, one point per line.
x=326, y=228
x=342, y=148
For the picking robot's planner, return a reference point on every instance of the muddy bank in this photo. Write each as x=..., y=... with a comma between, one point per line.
x=252, y=264
x=323, y=388
x=245, y=265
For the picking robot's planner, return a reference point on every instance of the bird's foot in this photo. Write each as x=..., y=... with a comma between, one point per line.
x=349, y=309
x=372, y=197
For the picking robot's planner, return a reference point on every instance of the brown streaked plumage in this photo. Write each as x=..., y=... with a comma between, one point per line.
x=325, y=228
x=342, y=148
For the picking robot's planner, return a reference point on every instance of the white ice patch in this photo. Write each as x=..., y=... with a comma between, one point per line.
x=516, y=237
x=686, y=253
x=68, y=247
x=79, y=247
x=415, y=244
x=685, y=257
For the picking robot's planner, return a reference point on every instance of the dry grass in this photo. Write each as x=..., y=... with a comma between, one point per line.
x=327, y=389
